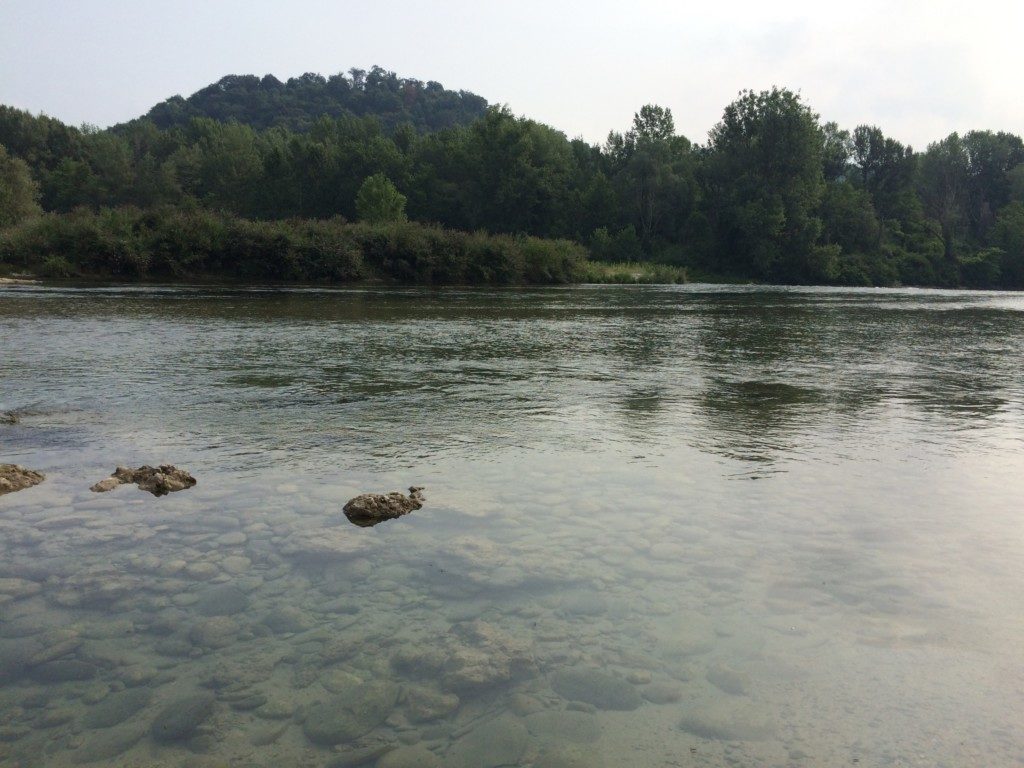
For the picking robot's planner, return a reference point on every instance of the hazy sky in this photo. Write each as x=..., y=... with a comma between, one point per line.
x=920, y=70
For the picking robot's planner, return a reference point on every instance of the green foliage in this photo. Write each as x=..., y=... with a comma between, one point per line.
x=18, y=192
x=624, y=246
x=253, y=178
x=56, y=267
x=633, y=272
x=299, y=102
x=379, y=201
x=1009, y=237
x=132, y=244
x=766, y=168
x=982, y=269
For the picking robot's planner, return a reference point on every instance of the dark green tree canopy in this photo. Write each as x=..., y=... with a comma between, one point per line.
x=775, y=194
x=297, y=103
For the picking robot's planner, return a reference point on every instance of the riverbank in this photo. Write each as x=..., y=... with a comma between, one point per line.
x=131, y=244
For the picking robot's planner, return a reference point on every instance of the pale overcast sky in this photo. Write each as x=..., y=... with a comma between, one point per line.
x=920, y=70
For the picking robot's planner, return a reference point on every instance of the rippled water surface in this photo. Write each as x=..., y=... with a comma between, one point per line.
x=690, y=526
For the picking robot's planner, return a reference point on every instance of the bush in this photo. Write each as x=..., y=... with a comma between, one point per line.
x=56, y=267
x=131, y=243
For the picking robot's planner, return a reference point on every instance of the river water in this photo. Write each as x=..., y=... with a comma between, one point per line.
x=664, y=526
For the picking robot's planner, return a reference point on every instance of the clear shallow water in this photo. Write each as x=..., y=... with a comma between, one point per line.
x=664, y=527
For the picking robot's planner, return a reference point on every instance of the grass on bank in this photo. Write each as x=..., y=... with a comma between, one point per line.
x=633, y=272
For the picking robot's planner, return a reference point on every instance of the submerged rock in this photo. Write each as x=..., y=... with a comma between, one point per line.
x=410, y=757
x=180, y=718
x=373, y=508
x=116, y=708
x=63, y=671
x=501, y=741
x=725, y=721
x=108, y=744
x=595, y=688
x=156, y=480
x=553, y=726
x=9, y=417
x=660, y=692
x=480, y=656
x=424, y=704
x=215, y=632
x=569, y=756
x=16, y=478
x=728, y=680
x=224, y=600
x=348, y=717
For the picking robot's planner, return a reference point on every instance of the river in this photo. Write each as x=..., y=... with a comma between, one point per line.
x=664, y=526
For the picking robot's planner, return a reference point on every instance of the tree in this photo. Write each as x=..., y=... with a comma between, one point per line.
x=886, y=169
x=19, y=194
x=1009, y=235
x=379, y=201
x=766, y=181
x=653, y=123
x=990, y=158
x=944, y=187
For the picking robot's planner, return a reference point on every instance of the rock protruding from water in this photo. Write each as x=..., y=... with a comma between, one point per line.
x=373, y=508
x=16, y=478
x=9, y=417
x=156, y=480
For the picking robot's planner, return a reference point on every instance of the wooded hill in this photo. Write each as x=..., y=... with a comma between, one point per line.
x=773, y=194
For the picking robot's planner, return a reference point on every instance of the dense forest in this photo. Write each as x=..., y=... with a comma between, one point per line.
x=774, y=194
x=266, y=102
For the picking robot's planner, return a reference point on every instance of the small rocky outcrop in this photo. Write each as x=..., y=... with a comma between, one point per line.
x=372, y=508
x=9, y=417
x=156, y=480
x=16, y=478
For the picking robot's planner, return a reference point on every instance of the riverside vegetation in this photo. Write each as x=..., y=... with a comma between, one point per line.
x=257, y=179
